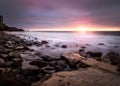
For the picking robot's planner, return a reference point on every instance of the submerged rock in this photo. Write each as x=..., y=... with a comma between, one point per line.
x=64, y=46
x=101, y=44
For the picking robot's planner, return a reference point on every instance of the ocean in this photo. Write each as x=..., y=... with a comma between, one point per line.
x=74, y=40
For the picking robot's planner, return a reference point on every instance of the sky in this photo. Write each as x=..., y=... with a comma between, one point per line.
x=62, y=14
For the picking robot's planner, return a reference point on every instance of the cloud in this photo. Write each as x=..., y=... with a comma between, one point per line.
x=60, y=13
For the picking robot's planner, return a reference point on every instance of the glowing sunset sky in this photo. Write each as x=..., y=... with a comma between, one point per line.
x=62, y=15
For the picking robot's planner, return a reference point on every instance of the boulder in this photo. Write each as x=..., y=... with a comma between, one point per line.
x=64, y=46
x=112, y=57
x=93, y=54
x=71, y=57
x=46, y=58
x=38, y=63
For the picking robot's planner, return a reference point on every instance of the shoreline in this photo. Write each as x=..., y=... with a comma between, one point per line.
x=21, y=65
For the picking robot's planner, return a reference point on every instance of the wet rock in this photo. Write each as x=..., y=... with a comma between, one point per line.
x=70, y=57
x=44, y=42
x=82, y=52
x=13, y=55
x=2, y=60
x=113, y=57
x=101, y=44
x=64, y=46
x=53, y=63
x=11, y=79
x=30, y=72
x=83, y=47
x=46, y=58
x=4, y=56
x=58, y=68
x=62, y=64
x=118, y=69
x=17, y=63
x=38, y=63
x=38, y=53
x=48, y=70
x=94, y=54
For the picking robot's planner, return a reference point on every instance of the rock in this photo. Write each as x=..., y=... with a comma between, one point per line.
x=48, y=70
x=62, y=64
x=53, y=63
x=17, y=63
x=82, y=52
x=101, y=44
x=13, y=55
x=118, y=69
x=58, y=68
x=85, y=77
x=46, y=58
x=94, y=54
x=38, y=53
x=2, y=61
x=71, y=57
x=82, y=65
x=64, y=46
x=44, y=42
x=39, y=63
x=113, y=57
x=11, y=79
x=83, y=47
x=4, y=56
x=30, y=72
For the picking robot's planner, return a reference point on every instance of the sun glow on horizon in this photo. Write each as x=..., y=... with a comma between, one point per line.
x=77, y=29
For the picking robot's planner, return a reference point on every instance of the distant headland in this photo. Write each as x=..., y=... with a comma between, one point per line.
x=4, y=27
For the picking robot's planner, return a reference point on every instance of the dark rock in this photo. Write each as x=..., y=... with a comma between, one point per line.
x=82, y=52
x=58, y=68
x=37, y=53
x=101, y=44
x=17, y=62
x=64, y=46
x=4, y=56
x=44, y=42
x=53, y=63
x=2, y=60
x=83, y=47
x=94, y=54
x=118, y=69
x=46, y=58
x=113, y=57
x=30, y=72
x=39, y=63
x=62, y=64
x=11, y=79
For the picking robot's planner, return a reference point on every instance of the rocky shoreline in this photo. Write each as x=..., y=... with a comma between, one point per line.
x=17, y=68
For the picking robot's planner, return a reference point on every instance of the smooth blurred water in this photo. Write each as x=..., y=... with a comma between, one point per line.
x=78, y=37
x=111, y=41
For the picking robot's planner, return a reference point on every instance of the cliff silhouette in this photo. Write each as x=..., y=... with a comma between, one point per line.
x=4, y=27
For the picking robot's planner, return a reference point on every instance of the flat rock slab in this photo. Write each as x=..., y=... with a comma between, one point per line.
x=85, y=77
x=100, y=65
